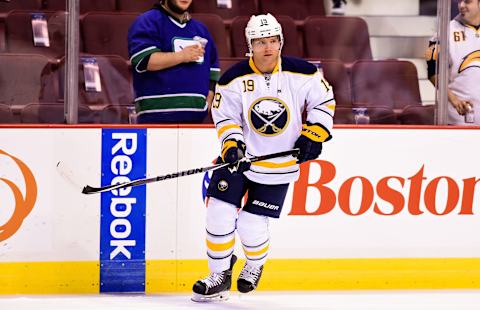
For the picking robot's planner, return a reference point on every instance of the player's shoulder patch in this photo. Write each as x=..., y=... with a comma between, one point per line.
x=297, y=65
x=237, y=70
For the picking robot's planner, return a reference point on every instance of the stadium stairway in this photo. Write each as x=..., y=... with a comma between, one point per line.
x=397, y=31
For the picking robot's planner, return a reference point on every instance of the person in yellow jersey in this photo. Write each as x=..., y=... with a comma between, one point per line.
x=257, y=110
x=464, y=63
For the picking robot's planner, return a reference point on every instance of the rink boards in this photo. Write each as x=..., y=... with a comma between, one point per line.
x=399, y=209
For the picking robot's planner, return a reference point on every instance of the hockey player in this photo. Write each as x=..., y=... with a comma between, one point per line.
x=257, y=109
x=464, y=58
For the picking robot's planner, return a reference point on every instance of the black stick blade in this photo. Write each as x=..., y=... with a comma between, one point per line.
x=89, y=190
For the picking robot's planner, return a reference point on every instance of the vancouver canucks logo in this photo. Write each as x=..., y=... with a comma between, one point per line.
x=470, y=61
x=269, y=116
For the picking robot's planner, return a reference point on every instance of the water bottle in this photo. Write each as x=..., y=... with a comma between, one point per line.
x=361, y=117
x=470, y=114
x=132, y=115
x=203, y=42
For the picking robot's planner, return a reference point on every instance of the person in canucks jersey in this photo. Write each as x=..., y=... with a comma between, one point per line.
x=257, y=110
x=174, y=63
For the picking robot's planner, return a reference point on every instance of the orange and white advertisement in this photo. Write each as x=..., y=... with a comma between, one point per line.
x=374, y=195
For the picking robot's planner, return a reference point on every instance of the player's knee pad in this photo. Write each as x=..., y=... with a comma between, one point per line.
x=255, y=236
x=227, y=186
x=221, y=221
x=221, y=216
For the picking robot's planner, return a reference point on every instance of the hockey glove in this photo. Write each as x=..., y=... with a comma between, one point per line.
x=233, y=152
x=310, y=142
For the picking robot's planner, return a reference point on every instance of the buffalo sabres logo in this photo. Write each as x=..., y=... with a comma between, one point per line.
x=222, y=185
x=470, y=61
x=269, y=116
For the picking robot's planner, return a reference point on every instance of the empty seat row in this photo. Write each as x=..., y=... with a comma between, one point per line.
x=342, y=38
x=327, y=37
x=30, y=78
x=387, y=90
x=387, y=85
x=410, y=115
x=53, y=113
x=298, y=9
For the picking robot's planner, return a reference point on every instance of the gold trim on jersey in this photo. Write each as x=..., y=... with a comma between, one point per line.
x=475, y=29
x=225, y=128
x=269, y=164
x=468, y=60
x=251, y=63
x=266, y=116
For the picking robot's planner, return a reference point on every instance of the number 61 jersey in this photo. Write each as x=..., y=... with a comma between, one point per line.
x=265, y=112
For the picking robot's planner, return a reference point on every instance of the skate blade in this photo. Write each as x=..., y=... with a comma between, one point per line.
x=223, y=296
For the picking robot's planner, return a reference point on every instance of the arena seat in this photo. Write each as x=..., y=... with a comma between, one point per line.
x=226, y=63
x=30, y=5
x=337, y=37
x=292, y=46
x=216, y=28
x=19, y=34
x=106, y=33
x=85, y=5
x=386, y=83
x=418, y=115
x=20, y=78
x=239, y=8
x=298, y=10
x=114, y=114
x=336, y=74
x=53, y=113
x=377, y=115
x=343, y=115
x=135, y=5
x=6, y=115
x=116, y=84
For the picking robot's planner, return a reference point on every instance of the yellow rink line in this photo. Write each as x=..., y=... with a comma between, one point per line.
x=279, y=274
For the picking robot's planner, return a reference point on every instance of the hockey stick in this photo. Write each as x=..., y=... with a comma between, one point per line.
x=94, y=190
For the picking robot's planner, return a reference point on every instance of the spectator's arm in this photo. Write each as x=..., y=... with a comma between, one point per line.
x=162, y=60
x=460, y=105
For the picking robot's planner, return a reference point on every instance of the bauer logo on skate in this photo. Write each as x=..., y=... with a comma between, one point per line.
x=23, y=202
x=416, y=194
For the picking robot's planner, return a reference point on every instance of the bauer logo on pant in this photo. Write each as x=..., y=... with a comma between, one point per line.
x=269, y=116
x=222, y=185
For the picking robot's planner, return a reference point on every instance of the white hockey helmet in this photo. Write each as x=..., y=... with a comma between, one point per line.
x=262, y=26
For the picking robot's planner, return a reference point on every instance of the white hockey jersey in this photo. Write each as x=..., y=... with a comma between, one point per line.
x=265, y=112
x=464, y=63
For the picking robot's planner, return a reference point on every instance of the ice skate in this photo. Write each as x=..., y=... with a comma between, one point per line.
x=249, y=278
x=215, y=287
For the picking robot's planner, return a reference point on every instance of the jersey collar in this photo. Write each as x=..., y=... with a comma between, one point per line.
x=255, y=69
x=465, y=24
